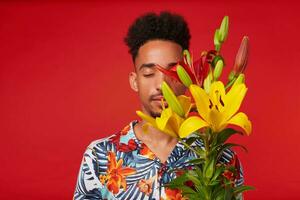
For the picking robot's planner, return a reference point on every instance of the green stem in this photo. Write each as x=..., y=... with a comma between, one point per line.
x=207, y=139
x=230, y=83
x=206, y=143
x=188, y=146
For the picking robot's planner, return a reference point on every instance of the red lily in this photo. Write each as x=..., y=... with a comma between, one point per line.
x=241, y=57
x=197, y=70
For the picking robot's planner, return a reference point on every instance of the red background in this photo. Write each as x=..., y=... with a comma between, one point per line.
x=64, y=82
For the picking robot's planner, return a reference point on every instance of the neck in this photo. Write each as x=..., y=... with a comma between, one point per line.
x=153, y=135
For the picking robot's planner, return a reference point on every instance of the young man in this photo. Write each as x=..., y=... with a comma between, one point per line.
x=131, y=164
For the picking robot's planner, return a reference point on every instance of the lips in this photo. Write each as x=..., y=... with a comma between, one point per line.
x=158, y=98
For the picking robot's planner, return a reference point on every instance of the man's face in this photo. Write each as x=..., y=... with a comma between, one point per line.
x=147, y=80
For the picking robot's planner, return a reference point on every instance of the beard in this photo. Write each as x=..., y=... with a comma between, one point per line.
x=154, y=114
x=155, y=111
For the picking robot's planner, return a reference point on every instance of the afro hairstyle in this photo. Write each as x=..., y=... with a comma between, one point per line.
x=165, y=26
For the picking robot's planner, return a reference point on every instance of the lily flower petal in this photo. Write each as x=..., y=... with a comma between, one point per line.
x=217, y=108
x=162, y=121
x=145, y=117
x=241, y=120
x=169, y=72
x=191, y=125
x=169, y=130
x=216, y=120
x=175, y=122
x=186, y=103
x=217, y=94
x=234, y=99
x=201, y=100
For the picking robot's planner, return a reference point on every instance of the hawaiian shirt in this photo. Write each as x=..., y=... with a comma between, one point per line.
x=123, y=167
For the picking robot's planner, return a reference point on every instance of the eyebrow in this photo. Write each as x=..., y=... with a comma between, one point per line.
x=150, y=65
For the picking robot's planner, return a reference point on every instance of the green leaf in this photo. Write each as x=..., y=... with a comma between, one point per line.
x=228, y=146
x=213, y=183
x=198, y=170
x=218, y=193
x=195, y=196
x=190, y=140
x=197, y=161
x=209, y=168
x=201, y=192
x=186, y=190
x=192, y=176
x=177, y=182
x=228, y=193
x=217, y=173
x=225, y=134
x=242, y=188
x=201, y=151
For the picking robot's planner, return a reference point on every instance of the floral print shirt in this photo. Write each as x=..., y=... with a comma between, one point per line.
x=123, y=167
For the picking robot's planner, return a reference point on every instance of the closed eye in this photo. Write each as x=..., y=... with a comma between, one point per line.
x=148, y=75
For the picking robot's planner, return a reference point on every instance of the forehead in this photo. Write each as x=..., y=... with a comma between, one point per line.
x=158, y=52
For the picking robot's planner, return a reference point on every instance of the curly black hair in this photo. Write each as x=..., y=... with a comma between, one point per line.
x=165, y=26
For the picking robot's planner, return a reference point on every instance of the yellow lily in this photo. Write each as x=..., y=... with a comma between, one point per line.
x=217, y=109
x=169, y=121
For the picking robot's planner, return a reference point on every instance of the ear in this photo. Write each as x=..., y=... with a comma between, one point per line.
x=133, y=81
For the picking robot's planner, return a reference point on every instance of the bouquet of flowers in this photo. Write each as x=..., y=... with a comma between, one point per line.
x=207, y=115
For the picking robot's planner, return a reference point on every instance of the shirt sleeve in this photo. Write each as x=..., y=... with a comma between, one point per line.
x=240, y=180
x=88, y=184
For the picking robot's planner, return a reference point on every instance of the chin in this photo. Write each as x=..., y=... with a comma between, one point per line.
x=155, y=113
x=156, y=110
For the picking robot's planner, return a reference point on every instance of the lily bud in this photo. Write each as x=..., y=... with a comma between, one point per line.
x=209, y=169
x=207, y=82
x=241, y=56
x=223, y=32
x=184, y=76
x=218, y=69
x=187, y=57
x=217, y=41
x=171, y=99
x=240, y=79
x=215, y=60
x=231, y=76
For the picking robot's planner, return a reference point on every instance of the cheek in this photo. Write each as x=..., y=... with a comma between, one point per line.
x=146, y=83
x=144, y=89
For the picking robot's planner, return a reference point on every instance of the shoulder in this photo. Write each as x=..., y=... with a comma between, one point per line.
x=119, y=141
x=100, y=145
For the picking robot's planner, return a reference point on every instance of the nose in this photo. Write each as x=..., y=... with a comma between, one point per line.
x=159, y=80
